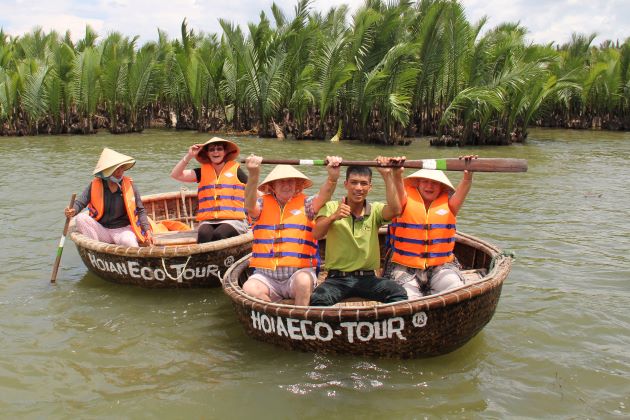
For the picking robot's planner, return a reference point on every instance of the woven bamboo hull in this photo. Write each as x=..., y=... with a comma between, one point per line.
x=429, y=326
x=176, y=266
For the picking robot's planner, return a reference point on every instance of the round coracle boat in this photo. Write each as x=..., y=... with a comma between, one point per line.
x=175, y=260
x=428, y=326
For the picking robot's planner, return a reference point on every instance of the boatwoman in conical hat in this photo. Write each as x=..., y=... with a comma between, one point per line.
x=284, y=253
x=422, y=238
x=116, y=214
x=220, y=190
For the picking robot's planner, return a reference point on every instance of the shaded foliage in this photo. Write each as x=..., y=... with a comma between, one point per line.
x=391, y=70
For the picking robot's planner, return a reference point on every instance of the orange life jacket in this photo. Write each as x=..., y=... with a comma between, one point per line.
x=283, y=237
x=421, y=237
x=96, y=206
x=168, y=226
x=222, y=196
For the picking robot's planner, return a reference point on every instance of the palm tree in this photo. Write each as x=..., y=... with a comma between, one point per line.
x=296, y=37
x=603, y=85
x=624, y=71
x=117, y=53
x=142, y=83
x=331, y=69
x=233, y=85
x=211, y=57
x=574, y=64
x=263, y=59
x=396, y=67
x=427, y=33
x=186, y=79
x=88, y=40
x=8, y=99
x=59, y=56
x=33, y=93
x=85, y=86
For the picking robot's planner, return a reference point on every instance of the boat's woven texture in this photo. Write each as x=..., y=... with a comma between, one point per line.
x=190, y=265
x=428, y=326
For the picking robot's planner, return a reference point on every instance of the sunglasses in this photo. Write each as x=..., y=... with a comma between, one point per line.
x=213, y=148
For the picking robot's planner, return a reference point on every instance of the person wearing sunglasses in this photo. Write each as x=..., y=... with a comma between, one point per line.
x=220, y=191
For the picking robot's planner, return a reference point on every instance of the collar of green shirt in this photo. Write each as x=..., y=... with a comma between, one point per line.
x=367, y=209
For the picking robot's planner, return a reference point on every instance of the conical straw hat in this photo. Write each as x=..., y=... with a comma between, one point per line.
x=432, y=174
x=111, y=160
x=231, y=150
x=284, y=172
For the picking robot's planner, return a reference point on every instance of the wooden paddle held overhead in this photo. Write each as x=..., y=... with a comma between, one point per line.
x=454, y=164
x=53, y=278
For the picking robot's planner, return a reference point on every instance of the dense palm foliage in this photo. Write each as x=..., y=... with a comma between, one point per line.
x=391, y=70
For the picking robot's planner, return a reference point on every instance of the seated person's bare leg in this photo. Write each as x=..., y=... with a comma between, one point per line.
x=302, y=288
x=257, y=289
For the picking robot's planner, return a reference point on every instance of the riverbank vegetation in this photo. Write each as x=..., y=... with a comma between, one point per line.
x=390, y=71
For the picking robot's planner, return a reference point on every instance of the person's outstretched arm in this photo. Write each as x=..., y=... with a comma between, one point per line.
x=251, y=188
x=179, y=172
x=393, y=184
x=328, y=187
x=456, y=201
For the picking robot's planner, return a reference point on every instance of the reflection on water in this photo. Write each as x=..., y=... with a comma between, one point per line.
x=557, y=345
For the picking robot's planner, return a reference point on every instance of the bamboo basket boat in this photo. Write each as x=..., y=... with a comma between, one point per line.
x=175, y=260
x=427, y=326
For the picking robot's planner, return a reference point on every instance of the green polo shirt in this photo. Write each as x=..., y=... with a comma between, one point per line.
x=352, y=243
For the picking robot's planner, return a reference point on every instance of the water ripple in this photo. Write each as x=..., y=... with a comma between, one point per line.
x=556, y=347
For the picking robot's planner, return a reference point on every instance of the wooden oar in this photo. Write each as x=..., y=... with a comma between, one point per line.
x=454, y=164
x=53, y=278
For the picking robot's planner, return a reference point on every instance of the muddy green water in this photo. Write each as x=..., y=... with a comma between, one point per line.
x=557, y=347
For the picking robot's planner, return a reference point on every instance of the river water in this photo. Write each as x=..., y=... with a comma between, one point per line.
x=557, y=347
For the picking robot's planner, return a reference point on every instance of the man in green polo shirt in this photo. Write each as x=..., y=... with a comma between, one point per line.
x=351, y=229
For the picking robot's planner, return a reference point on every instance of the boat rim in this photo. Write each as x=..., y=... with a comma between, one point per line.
x=492, y=279
x=158, y=251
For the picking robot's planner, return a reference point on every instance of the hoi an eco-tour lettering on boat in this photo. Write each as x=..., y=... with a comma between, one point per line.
x=302, y=329
x=177, y=272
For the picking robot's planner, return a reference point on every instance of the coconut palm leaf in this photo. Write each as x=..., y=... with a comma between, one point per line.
x=60, y=57
x=602, y=86
x=538, y=96
x=361, y=39
x=33, y=45
x=331, y=72
x=303, y=95
x=88, y=40
x=265, y=81
x=174, y=85
x=85, y=86
x=117, y=53
x=476, y=101
x=211, y=57
x=142, y=83
x=8, y=96
x=234, y=84
x=34, y=96
x=114, y=85
x=296, y=37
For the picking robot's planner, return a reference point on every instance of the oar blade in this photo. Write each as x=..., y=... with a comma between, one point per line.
x=53, y=277
x=487, y=165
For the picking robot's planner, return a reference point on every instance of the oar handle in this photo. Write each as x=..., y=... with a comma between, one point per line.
x=53, y=278
x=452, y=164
